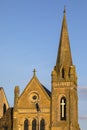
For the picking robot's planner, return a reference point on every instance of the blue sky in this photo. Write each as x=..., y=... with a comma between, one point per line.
x=29, y=38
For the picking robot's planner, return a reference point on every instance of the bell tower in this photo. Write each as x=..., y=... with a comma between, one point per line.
x=64, y=100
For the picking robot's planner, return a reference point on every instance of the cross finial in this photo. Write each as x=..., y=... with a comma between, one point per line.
x=64, y=10
x=34, y=72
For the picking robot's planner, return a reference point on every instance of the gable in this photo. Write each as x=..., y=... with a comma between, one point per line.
x=3, y=102
x=34, y=93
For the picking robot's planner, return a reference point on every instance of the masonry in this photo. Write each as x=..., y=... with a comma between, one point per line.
x=36, y=108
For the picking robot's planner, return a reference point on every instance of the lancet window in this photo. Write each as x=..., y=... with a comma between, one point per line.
x=4, y=109
x=63, y=73
x=26, y=124
x=34, y=123
x=42, y=124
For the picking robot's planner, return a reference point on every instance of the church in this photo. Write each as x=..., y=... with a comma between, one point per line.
x=36, y=108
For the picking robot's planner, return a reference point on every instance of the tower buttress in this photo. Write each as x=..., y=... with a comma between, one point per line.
x=64, y=100
x=15, y=119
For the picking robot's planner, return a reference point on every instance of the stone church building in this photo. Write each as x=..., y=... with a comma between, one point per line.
x=36, y=108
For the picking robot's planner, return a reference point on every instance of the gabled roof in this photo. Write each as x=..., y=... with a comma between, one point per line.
x=3, y=92
x=47, y=91
x=44, y=89
x=3, y=101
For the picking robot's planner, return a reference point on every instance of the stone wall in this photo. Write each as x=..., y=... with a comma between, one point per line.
x=7, y=120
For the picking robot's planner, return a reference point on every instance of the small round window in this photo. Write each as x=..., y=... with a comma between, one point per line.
x=34, y=97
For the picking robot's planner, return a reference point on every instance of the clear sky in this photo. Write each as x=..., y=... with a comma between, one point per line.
x=29, y=38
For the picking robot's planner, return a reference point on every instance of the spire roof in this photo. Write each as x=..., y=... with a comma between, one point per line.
x=64, y=57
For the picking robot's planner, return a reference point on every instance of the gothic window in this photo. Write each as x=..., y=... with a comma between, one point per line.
x=4, y=109
x=63, y=72
x=37, y=107
x=34, y=124
x=42, y=124
x=26, y=124
x=63, y=108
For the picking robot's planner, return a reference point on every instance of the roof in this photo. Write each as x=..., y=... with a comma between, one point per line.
x=47, y=91
x=2, y=91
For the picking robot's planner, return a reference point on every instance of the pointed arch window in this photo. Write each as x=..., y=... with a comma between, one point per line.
x=26, y=124
x=4, y=109
x=34, y=123
x=63, y=108
x=42, y=124
x=63, y=73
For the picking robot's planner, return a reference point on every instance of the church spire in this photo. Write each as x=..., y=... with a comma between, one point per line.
x=64, y=98
x=64, y=58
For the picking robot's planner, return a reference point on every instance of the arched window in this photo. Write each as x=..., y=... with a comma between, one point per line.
x=4, y=109
x=63, y=73
x=42, y=124
x=63, y=108
x=34, y=123
x=26, y=124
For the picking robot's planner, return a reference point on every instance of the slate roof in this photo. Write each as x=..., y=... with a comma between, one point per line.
x=47, y=91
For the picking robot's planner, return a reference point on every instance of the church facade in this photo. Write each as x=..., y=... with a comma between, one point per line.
x=39, y=109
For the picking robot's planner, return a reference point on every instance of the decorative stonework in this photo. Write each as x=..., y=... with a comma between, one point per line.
x=34, y=97
x=38, y=108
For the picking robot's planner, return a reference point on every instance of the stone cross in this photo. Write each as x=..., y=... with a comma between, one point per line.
x=34, y=72
x=62, y=104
